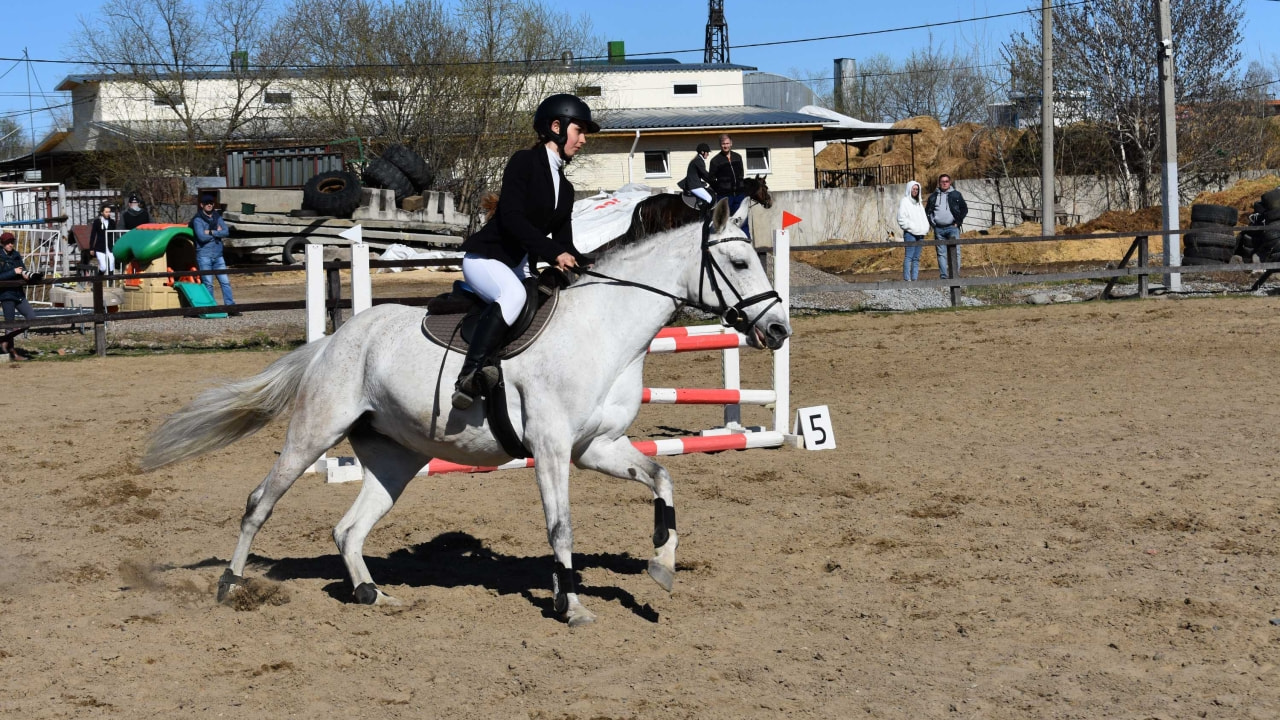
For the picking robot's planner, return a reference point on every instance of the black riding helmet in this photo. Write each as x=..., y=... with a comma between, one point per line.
x=566, y=108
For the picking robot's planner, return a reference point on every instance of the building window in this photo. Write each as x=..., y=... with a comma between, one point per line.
x=171, y=99
x=757, y=161
x=279, y=98
x=686, y=89
x=588, y=91
x=655, y=164
x=385, y=96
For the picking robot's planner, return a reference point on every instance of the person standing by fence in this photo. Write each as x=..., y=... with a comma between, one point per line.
x=14, y=299
x=946, y=210
x=728, y=176
x=135, y=214
x=98, y=243
x=915, y=227
x=209, y=229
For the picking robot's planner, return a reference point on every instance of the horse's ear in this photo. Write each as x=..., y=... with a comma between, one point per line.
x=720, y=215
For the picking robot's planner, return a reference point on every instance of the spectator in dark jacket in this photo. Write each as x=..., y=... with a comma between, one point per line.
x=946, y=210
x=14, y=299
x=98, y=241
x=727, y=173
x=135, y=214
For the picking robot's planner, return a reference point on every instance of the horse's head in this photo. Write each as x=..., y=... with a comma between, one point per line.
x=733, y=283
x=758, y=190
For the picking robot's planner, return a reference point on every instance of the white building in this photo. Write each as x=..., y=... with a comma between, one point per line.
x=652, y=114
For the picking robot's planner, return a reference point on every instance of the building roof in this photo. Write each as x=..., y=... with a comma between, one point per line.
x=655, y=65
x=699, y=118
x=70, y=82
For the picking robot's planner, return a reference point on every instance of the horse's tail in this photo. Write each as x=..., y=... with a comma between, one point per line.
x=231, y=411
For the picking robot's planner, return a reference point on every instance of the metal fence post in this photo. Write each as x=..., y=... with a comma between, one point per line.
x=953, y=265
x=1144, y=280
x=99, y=309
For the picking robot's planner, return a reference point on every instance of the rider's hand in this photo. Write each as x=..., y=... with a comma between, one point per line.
x=564, y=261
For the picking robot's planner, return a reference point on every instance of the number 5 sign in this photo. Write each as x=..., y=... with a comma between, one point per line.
x=814, y=424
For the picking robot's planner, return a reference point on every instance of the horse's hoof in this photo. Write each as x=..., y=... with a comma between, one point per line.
x=386, y=600
x=577, y=615
x=227, y=584
x=661, y=574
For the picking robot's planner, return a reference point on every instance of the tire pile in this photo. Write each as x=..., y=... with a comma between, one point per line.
x=1211, y=239
x=1262, y=237
x=335, y=193
x=400, y=170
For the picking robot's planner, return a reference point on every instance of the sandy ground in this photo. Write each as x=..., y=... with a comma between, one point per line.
x=1033, y=512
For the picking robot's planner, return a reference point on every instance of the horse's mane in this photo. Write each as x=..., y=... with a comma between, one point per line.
x=653, y=215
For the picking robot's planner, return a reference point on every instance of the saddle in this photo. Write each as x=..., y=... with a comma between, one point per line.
x=451, y=319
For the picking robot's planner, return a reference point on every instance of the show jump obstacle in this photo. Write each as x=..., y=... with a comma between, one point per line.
x=699, y=338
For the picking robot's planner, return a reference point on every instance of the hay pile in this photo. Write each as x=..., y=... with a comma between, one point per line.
x=961, y=151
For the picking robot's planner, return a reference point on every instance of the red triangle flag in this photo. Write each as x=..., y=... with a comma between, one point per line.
x=788, y=219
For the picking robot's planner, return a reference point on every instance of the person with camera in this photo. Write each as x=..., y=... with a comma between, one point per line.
x=13, y=294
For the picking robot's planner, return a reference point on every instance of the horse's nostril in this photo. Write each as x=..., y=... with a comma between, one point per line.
x=779, y=331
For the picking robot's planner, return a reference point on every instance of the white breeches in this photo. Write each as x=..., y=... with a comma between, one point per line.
x=702, y=194
x=106, y=262
x=494, y=281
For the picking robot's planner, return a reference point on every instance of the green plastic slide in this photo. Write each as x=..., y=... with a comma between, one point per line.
x=197, y=295
x=147, y=245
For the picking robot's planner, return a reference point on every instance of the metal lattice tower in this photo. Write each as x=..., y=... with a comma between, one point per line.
x=717, y=47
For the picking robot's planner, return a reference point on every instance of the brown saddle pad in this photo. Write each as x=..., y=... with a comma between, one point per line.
x=445, y=330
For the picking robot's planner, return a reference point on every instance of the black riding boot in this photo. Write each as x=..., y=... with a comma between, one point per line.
x=477, y=375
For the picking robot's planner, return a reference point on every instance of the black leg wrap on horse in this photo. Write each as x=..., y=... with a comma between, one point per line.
x=226, y=582
x=561, y=586
x=366, y=593
x=664, y=522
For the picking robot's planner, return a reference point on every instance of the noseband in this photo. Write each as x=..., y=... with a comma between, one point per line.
x=734, y=316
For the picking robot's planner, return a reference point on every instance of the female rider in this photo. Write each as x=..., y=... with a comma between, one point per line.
x=532, y=222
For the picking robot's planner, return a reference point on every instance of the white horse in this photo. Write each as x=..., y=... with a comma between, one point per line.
x=571, y=395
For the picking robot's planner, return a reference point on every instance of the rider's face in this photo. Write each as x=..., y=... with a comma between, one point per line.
x=575, y=139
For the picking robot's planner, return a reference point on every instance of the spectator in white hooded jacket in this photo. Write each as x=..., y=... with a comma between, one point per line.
x=915, y=226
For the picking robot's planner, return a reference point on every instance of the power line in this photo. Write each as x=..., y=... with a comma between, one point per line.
x=469, y=63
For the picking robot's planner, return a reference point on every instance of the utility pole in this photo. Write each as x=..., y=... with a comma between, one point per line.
x=1169, y=145
x=1047, y=185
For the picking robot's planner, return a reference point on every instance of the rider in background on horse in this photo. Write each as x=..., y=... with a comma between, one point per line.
x=697, y=180
x=532, y=221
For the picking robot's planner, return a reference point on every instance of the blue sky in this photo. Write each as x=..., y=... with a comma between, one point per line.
x=646, y=26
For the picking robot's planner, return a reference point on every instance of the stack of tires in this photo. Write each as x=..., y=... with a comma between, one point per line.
x=400, y=170
x=1211, y=239
x=335, y=193
x=1262, y=237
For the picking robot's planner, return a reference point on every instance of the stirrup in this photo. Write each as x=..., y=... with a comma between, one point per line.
x=473, y=386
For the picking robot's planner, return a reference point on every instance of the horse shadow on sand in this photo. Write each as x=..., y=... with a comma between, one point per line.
x=457, y=559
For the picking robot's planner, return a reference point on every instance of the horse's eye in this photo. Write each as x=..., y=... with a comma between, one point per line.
x=739, y=264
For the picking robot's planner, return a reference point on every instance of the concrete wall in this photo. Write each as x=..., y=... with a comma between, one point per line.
x=869, y=214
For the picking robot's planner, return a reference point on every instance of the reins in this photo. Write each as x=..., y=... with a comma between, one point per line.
x=732, y=315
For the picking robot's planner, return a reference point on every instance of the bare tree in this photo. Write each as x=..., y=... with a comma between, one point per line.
x=1105, y=55
x=187, y=80
x=456, y=84
x=13, y=139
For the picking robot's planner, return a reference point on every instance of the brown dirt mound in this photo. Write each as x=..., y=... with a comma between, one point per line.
x=1241, y=196
x=962, y=151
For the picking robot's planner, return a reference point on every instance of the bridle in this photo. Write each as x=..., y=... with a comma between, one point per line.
x=734, y=316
